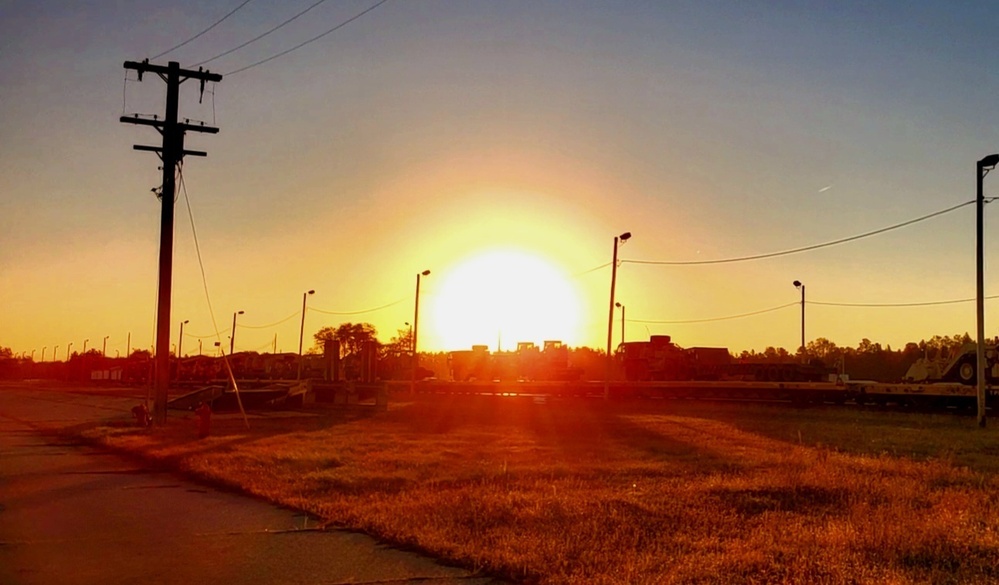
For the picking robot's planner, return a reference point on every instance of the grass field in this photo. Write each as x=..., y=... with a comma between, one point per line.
x=657, y=492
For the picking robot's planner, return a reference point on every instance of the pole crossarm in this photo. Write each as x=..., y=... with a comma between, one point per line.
x=144, y=66
x=159, y=124
x=159, y=150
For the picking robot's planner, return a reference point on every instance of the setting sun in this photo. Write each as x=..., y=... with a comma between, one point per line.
x=503, y=297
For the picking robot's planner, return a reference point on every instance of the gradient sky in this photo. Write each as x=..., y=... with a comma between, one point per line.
x=429, y=134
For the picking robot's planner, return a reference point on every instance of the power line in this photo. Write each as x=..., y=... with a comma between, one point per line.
x=218, y=22
x=313, y=39
x=922, y=304
x=392, y=304
x=771, y=309
x=257, y=38
x=594, y=269
x=268, y=326
x=802, y=249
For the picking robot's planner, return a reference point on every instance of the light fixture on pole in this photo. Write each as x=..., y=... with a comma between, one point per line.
x=32, y=355
x=301, y=332
x=54, y=350
x=232, y=337
x=984, y=166
x=416, y=330
x=180, y=339
x=68, y=349
x=620, y=306
x=104, y=347
x=800, y=285
x=85, y=346
x=610, y=315
x=44, y=347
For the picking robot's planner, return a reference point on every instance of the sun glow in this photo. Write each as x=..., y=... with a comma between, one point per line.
x=504, y=296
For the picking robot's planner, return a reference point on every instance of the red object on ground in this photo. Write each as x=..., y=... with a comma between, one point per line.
x=204, y=413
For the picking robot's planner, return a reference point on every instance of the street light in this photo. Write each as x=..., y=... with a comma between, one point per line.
x=416, y=329
x=610, y=314
x=180, y=340
x=32, y=355
x=301, y=331
x=619, y=305
x=44, y=347
x=54, y=350
x=68, y=348
x=232, y=338
x=984, y=166
x=85, y=346
x=104, y=347
x=799, y=284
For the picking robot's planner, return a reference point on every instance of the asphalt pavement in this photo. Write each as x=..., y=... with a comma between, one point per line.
x=72, y=514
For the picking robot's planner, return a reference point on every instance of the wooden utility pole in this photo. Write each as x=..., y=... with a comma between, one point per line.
x=171, y=152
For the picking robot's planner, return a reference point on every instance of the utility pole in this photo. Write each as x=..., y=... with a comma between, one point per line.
x=171, y=153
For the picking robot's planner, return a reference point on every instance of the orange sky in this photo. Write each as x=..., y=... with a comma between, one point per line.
x=426, y=135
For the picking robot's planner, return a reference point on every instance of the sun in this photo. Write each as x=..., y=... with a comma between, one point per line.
x=502, y=297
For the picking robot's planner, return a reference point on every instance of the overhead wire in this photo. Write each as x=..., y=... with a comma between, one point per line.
x=216, y=23
x=879, y=305
x=392, y=304
x=268, y=326
x=802, y=249
x=740, y=316
x=309, y=41
x=260, y=36
x=208, y=298
x=594, y=269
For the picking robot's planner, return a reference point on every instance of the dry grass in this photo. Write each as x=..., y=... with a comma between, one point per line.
x=583, y=492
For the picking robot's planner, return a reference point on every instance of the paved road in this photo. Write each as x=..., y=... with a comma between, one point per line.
x=76, y=515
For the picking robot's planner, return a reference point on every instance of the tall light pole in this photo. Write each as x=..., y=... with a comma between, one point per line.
x=620, y=306
x=54, y=350
x=85, y=345
x=416, y=329
x=68, y=349
x=104, y=347
x=984, y=166
x=232, y=338
x=610, y=314
x=128, y=345
x=301, y=332
x=180, y=339
x=799, y=284
x=32, y=355
x=44, y=347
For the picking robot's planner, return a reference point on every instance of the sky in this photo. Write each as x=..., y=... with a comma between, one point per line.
x=502, y=146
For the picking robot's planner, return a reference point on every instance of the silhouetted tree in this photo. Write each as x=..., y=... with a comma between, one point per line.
x=351, y=336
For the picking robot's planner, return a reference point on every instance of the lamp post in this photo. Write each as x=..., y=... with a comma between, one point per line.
x=620, y=306
x=128, y=345
x=54, y=350
x=610, y=314
x=301, y=332
x=68, y=349
x=232, y=338
x=199, y=347
x=416, y=329
x=85, y=345
x=799, y=284
x=44, y=347
x=32, y=355
x=104, y=347
x=984, y=166
x=180, y=339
